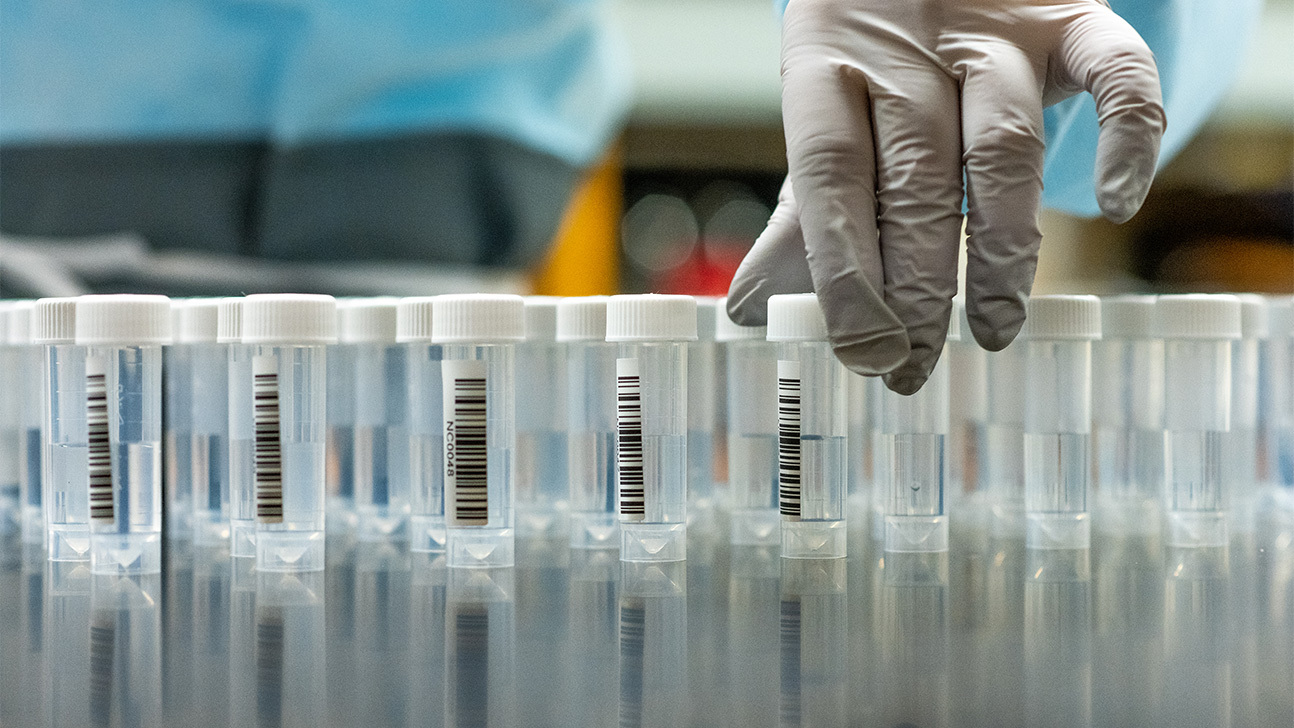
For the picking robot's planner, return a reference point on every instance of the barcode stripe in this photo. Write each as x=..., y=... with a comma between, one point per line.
x=788, y=438
x=629, y=441
x=466, y=443
x=268, y=452
x=100, y=445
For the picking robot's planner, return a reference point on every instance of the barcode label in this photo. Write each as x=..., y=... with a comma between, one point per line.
x=100, y=450
x=788, y=438
x=466, y=474
x=268, y=458
x=629, y=441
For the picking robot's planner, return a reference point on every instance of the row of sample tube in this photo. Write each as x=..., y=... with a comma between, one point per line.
x=458, y=423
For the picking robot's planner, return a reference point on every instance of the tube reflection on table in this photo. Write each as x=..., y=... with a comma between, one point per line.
x=653, y=644
x=1197, y=686
x=480, y=648
x=125, y=638
x=912, y=616
x=1058, y=638
x=291, y=652
x=813, y=633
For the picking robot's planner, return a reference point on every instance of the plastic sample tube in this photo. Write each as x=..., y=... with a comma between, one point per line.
x=811, y=429
x=651, y=422
x=915, y=430
x=1128, y=411
x=207, y=392
x=28, y=359
x=177, y=401
x=1058, y=419
x=591, y=421
x=1198, y=331
x=479, y=334
x=702, y=377
x=752, y=430
x=1241, y=456
x=1277, y=415
x=64, y=475
x=542, y=484
x=10, y=408
x=242, y=429
x=340, y=473
x=123, y=336
x=967, y=414
x=290, y=334
x=425, y=423
x=1004, y=447
x=367, y=335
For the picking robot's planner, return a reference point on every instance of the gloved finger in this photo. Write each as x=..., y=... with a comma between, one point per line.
x=1003, y=154
x=1100, y=52
x=919, y=191
x=832, y=163
x=774, y=265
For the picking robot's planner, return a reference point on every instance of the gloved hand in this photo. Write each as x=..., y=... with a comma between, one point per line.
x=885, y=104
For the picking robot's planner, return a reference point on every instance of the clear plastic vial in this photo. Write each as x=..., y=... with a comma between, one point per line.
x=1128, y=414
x=27, y=358
x=1198, y=331
x=123, y=336
x=542, y=487
x=811, y=429
x=915, y=435
x=1058, y=340
x=379, y=405
x=752, y=431
x=64, y=474
x=1004, y=442
x=479, y=334
x=967, y=415
x=289, y=334
x=591, y=420
x=651, y=422
x=1277, y=414
x=177, y=403
x=207, y=393
x=702, y=376
x=340, y=472
x=242, y=428
x=10, y=404
x=425, y=424
x=1241, y=465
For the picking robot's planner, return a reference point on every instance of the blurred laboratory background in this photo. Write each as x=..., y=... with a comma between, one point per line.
x=675, y=174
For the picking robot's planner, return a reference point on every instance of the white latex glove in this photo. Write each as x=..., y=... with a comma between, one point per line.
x=886, y=103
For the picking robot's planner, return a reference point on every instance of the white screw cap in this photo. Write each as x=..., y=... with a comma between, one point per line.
x=1063, y=318
x=123, y=320
x=707, y=323
x=1128, y=317
x=367, y=320
x=478, y=318
x=229, y=321
x=18, y=322
x=726, y=330
x=651, y=317
x=1197, y=316
x=796, y=317
x=300, y=319
x=413, y=319
x=197, y=320
x=541, y=318
x=1253, y=316
x=55, y=321
x=582, y=319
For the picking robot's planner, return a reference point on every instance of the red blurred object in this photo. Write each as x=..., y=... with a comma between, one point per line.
x=707, y=271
